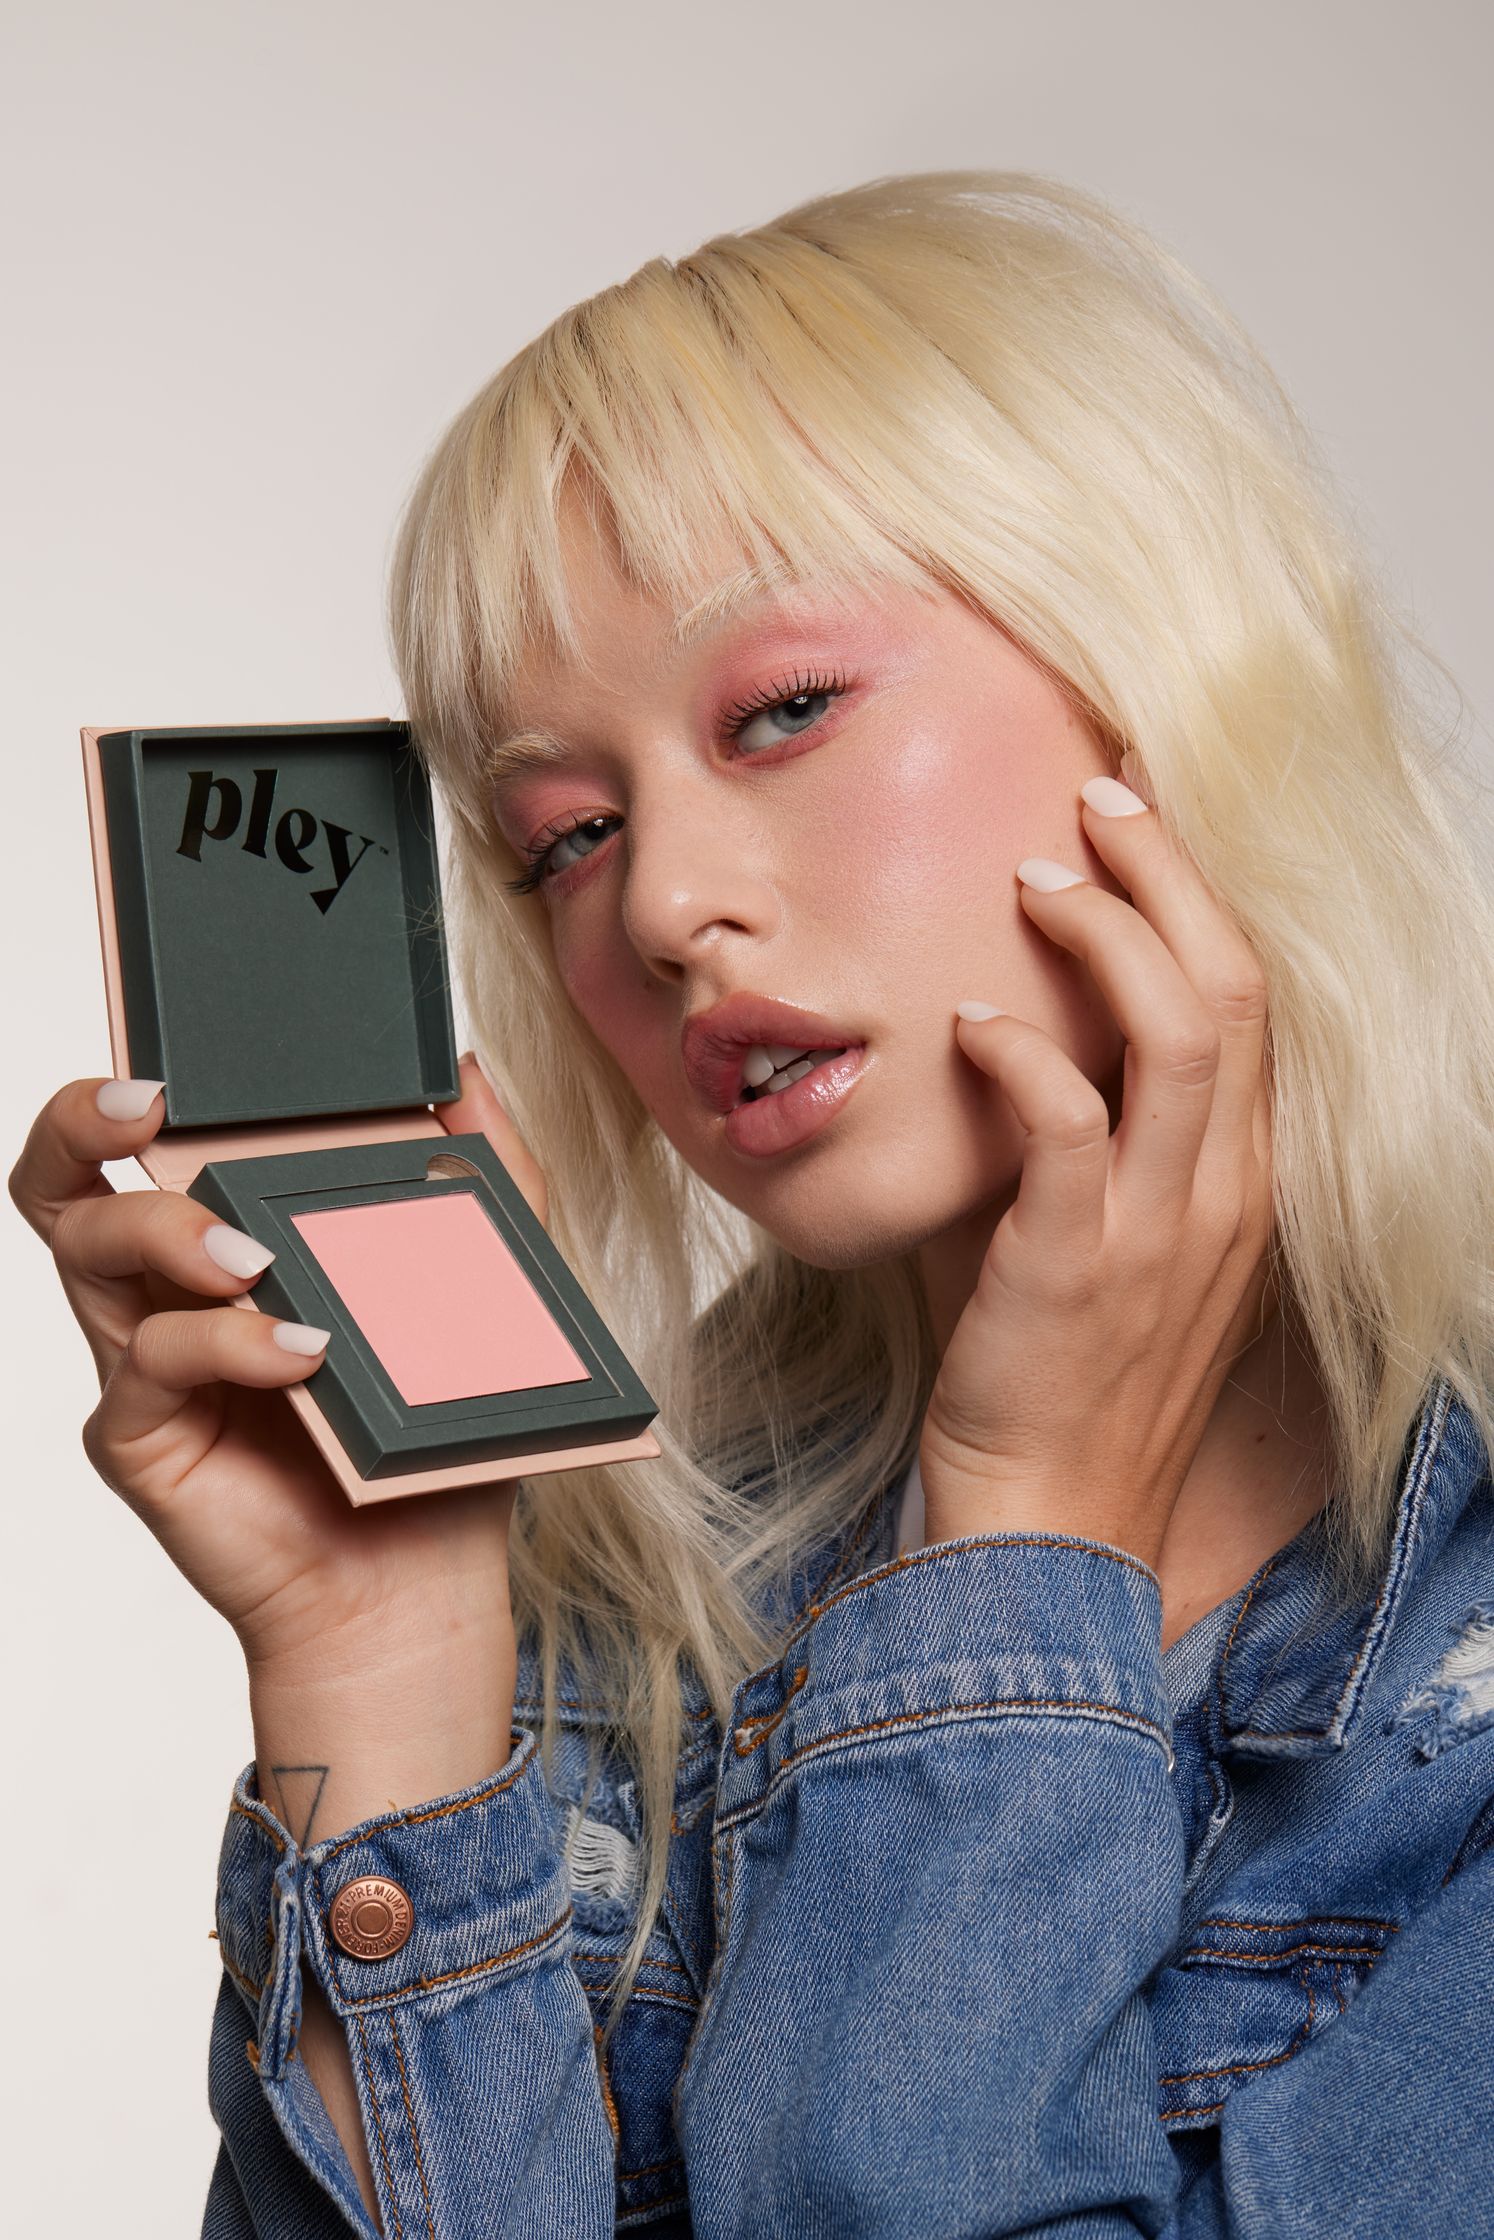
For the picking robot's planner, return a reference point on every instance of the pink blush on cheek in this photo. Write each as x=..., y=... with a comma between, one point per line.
x=440, y=1297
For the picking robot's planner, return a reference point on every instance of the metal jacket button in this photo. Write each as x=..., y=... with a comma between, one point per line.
x=371, y=1917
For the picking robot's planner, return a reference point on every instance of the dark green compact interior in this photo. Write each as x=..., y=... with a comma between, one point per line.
x=277, y=894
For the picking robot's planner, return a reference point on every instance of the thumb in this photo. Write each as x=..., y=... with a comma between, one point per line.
x=477, y=1112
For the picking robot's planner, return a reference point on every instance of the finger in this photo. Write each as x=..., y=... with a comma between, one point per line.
x=171, y=1356
x=1066, y=1159
x=477, y=1112
x=1222, y=968
x=106, y=1247
x=70, y=1139
x=1173, y=1045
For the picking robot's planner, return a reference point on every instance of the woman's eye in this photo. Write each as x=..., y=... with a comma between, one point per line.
x=798, y=710
x=801, y=711
x=800, y=702
x=544, y=864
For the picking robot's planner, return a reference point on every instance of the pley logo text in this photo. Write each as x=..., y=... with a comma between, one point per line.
x=295, y=829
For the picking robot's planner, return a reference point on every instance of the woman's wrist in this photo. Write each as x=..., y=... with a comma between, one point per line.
x=346, y=1738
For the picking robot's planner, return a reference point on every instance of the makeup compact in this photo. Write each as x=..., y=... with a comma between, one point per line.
x=270, y=914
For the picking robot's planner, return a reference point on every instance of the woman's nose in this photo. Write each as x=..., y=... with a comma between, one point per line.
x=696, y=869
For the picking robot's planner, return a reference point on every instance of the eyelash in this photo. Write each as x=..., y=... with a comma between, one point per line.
x=735, y=720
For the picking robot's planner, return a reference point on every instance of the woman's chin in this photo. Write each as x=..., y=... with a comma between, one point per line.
x=862, y=1234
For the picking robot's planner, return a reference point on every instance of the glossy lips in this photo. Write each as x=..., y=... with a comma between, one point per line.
x=791, y=1116
x=715, y=1043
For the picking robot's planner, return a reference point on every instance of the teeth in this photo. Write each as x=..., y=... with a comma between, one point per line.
x=765, y=1059
x=772, y=1067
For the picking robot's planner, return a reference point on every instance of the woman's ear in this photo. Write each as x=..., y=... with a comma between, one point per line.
x=477, y=1112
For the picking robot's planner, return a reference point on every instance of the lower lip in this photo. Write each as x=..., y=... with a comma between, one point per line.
x=791, y=1116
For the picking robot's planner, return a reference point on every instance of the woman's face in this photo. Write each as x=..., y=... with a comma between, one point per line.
x=852, y=853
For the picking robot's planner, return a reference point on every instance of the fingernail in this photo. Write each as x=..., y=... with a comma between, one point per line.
x=970, y=1009
x=1111, y=799
x=299, y=1337
x=233, y=1251
x=127, y=1100
x=1041, y=872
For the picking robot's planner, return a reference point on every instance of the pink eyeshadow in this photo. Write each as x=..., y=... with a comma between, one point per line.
x=440, y=1297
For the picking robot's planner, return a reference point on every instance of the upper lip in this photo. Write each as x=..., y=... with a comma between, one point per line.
x=716, y=1042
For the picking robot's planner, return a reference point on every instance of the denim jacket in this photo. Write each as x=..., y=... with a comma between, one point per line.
x=984, y=1917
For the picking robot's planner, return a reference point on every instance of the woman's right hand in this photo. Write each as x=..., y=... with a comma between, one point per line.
x=187, y=1433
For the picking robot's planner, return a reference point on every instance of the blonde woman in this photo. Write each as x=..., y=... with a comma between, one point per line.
x=982, y=959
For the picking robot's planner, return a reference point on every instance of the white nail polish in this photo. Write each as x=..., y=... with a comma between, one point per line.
x=235, y=1252
x=1046, y=875
x=1111, y=799
x=127, y=1100
x=299, y=1337
x=970, y=1009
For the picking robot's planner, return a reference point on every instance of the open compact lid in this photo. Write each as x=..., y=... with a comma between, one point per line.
x=273, y=895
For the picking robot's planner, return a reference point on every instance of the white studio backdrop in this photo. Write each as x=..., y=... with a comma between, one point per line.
x=254, y=259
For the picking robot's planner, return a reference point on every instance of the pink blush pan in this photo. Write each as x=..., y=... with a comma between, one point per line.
x=440, y=1297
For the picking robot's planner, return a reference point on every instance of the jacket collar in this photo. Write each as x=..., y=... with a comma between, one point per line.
x=1298, y=1665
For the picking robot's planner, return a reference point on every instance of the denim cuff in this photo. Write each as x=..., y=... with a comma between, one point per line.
x=1026, y=1624
x=481, y=1867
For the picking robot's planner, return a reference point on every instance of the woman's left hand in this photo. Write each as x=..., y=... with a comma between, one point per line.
x=1130, y=1270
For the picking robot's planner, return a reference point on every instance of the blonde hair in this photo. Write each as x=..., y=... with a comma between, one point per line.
x=994, y=383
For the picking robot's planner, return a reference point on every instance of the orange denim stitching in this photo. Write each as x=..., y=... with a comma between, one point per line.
x=650, y=2169
x=1024, y=1540
x=432, y=1812
x=609, y=1960
x=812, y=1606
x=1277, y=1928
x=454, y=1975
x=1170, y=2115
x=668, y=1998
x=253, y=2052
x=936, y=1553
x=379, y=2127
x=239, y=1977
x=993, y=1703
x=1292, y=1952
x=255, y=1822
x=766, y=1721
x=404, y=2086
x=1274, y=2061
x=1234, y=1629
x=607, y=2100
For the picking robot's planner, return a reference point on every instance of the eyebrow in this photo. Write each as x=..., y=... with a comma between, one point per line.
x=524, y=751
